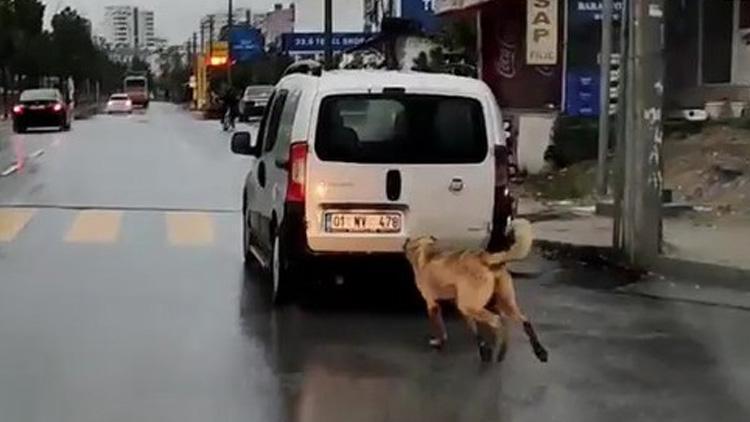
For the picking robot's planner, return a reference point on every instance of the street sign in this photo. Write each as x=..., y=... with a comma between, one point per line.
x=582, y=65
x=541, y=32
x=247, y=44
x=314, y=42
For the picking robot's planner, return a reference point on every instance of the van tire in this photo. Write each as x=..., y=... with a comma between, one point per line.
x=247, y=253
x=282, y=272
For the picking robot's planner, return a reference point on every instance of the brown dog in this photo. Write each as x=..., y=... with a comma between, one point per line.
x=472, y=279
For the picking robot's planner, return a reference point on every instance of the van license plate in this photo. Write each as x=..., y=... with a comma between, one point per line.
x=336, y=222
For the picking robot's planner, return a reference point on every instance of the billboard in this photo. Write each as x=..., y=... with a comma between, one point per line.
x=247, y=44
x=314, y=42
x=422, y=11
x=584, y=42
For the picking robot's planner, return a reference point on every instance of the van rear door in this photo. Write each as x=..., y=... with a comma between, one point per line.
x=386, y=167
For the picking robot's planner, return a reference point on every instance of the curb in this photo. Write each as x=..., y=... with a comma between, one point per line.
x=679, y=270
x=698, y=272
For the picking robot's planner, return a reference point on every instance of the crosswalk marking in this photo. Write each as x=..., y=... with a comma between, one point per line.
x=12, y=221
x=92, y=226
x=190, y=229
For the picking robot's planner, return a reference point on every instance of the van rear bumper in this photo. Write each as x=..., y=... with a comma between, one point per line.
x=294, y=230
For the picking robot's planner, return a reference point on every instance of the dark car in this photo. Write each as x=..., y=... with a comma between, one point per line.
x=41, y=108
x=254, y=101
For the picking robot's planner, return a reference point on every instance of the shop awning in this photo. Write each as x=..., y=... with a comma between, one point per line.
x=449, y=6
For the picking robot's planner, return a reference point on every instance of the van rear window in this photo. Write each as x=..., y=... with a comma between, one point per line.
x=406, y=128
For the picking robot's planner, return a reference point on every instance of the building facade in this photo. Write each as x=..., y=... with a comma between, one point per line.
x=277, y=22
x=128, y=27
x=707, y=52
x=348, y=16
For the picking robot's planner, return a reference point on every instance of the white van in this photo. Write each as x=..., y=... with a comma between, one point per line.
x=353, y=163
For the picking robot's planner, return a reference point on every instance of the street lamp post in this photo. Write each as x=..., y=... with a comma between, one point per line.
x=229, y=43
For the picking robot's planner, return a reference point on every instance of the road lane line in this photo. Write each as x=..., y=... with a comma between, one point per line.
x=95, y=226
x=10, y=170
x=190, y=229
x=12, y=221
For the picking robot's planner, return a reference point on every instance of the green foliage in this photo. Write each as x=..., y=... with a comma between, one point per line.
x=174, y=73
x=67, y=51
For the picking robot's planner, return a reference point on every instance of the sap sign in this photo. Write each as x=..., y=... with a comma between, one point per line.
x=422, y=11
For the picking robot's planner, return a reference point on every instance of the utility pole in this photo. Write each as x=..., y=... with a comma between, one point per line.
x=229, y=43
x=203, y=37
x=211, y=35
x=328, y=29
x=642, y=228
x=605, y=59
x=195, y=46
x=623, y=102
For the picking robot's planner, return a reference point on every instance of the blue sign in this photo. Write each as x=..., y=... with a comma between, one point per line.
x=247, y=44
x=582, y=67
x=313, y=42
x=422, y=11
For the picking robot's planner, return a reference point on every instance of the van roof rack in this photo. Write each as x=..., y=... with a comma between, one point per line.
x=306, y=67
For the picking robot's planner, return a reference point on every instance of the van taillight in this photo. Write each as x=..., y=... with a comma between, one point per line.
x=295, y=191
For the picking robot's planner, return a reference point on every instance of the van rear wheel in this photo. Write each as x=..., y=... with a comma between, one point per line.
x=282, y=273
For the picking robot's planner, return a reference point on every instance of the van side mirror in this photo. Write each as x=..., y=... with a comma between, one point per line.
x=242, y=145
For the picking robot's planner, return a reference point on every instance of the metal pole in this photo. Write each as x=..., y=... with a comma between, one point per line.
x=229, y=41
x=195, y=46
x=203, y=38
x=328, y=29
x=621, y=127
x=211, y=35
x=605, y=59
x=643, y=166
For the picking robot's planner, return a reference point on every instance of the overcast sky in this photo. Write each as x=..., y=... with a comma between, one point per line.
x=176, y=20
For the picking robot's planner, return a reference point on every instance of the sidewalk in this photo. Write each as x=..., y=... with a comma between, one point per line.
x=6, y=153
x=708, y=249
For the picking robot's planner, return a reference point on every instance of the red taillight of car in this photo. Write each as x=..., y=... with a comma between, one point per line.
x=295, y=191
x=18, y=109
x=128, y=103
x=57, y=107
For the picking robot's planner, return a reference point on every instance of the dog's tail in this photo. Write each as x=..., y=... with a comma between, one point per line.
x=521, y=247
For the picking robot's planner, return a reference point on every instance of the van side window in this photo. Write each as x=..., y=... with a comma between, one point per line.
x=286, y=123
x=273, y=121
x=264, y=120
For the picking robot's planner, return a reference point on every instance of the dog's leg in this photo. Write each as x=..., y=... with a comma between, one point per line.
x=471, y=316
x=502, y=338
x=439, y=334
x=507, y=302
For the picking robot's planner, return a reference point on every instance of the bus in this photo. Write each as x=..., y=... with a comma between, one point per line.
x=137, y=89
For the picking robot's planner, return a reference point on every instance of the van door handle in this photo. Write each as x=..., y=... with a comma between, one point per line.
x=457, y=185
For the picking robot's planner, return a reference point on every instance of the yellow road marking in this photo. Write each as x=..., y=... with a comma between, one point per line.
x=12, y=221
x=190, y=229
x=95, y=227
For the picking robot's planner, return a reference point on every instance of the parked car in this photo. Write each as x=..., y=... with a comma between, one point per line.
x=119, y=103
x=254, y=101
x=41, y=108
x=350, y=164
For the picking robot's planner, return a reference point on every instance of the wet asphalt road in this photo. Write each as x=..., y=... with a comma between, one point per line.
x=123, y=298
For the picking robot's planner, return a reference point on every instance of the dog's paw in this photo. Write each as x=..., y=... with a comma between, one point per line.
x=541, y=353
x=485, y=352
